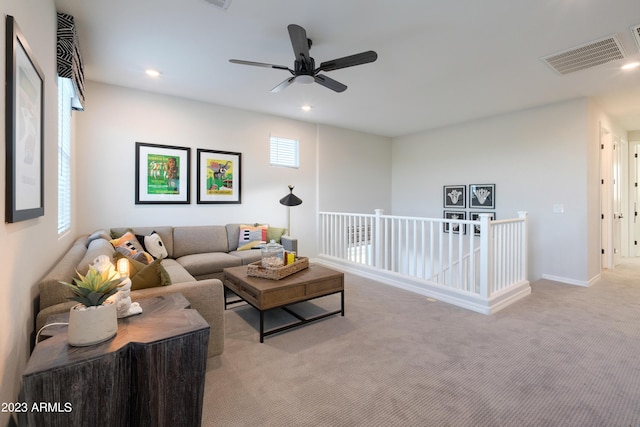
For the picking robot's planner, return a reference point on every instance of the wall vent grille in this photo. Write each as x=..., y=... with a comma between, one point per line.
x=222, y=4
x=589, y=55
x=636, y=34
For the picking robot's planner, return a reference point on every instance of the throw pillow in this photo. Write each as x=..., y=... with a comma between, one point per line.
x=153, y=245
x=273, y=233
x=130, y=246
x=146, y=275
x=252, y=236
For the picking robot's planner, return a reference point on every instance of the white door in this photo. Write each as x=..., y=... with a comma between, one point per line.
x=606, y=198
x=634, y=185
x=617, y=200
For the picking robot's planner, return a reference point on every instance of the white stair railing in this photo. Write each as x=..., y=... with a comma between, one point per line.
x=480, y=258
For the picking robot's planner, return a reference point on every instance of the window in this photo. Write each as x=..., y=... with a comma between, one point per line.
x=65, y=94
x=284, y=152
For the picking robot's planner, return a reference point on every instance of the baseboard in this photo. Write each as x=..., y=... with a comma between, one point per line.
x=571, y=281
x=432, y=290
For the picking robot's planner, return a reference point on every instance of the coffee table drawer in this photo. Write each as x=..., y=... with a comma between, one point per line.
x=325, y=286
x=278, y=297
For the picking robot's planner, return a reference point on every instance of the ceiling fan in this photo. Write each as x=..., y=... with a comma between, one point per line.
x=304, y=70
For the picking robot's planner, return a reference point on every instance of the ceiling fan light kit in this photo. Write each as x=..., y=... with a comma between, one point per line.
x=304, y=70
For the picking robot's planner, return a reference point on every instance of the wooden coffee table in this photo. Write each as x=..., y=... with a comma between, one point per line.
x=266, y=294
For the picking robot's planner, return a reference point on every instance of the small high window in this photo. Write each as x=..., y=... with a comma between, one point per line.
x=284, y=152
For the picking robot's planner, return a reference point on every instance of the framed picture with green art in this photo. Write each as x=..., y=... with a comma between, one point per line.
x=219, y=176
x=162, y=174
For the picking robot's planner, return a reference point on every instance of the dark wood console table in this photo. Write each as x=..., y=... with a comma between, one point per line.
x=151, y=373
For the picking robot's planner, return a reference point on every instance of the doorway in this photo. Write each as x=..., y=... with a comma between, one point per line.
x=611, y=194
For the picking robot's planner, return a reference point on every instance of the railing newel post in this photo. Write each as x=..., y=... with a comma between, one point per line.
x=378, y=238
x=486, y=248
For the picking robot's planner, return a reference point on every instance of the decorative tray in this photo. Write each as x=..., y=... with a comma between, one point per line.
x=256, y=269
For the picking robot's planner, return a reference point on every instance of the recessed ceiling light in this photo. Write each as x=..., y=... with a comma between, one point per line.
x=630, y=66
x=306, y=108
x=152, y=73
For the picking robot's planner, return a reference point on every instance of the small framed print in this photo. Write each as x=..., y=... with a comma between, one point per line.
x=482, y=196
x=454, y=227
x=162, y=174
x=219, y=176
x=475, y=216
x=454, y=196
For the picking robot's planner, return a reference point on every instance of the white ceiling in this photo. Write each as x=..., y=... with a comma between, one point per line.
x=439, y=62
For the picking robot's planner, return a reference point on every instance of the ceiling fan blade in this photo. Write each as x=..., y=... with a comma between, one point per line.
x=299, y=41
x=330, y=83
x=348, y=61
x=283, y=85
x=259, y=64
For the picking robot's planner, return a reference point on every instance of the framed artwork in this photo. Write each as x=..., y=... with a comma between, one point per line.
x=219, y=176
x=24, y=122
x=162, y=174
x=482, y=196
x=454, y=196
x=454, y=228
x=475, y=216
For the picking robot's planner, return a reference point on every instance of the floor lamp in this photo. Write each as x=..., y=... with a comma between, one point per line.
x=288, y=201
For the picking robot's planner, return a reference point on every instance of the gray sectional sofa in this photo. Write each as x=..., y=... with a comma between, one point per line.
x=196, y=257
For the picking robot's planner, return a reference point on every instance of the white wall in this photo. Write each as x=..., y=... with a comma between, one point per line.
x=116, y=118
x=29, y=248
x=355, y=172
x=537, y=158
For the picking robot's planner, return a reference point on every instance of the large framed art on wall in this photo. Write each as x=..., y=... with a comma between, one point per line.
x=24, y=110
x=162, y=174
x=219, y=176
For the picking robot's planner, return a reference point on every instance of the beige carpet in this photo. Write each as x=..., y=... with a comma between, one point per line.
x=564, y=356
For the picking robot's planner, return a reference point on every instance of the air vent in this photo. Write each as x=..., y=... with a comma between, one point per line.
x=636, y=34
x=595, y=53
x=222, y=4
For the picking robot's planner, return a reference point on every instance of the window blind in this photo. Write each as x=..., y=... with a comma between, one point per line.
x=65, y=93
x=284, y=152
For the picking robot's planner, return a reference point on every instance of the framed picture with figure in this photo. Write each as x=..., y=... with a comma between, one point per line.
x=452, y=226
x=219, y=176
x=162, y=174
x=482, y=196
x=454, y=196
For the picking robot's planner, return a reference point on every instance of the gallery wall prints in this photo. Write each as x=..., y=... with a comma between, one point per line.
x=475, y=216
x=454, y=227
x=454, y=196
x=482, y=196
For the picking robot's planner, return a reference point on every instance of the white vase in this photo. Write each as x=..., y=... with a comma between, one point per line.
x=92, y=325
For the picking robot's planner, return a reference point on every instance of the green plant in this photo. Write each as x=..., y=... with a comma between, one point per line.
x=94, y=288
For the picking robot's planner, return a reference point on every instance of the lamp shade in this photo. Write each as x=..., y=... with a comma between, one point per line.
x=290, y=199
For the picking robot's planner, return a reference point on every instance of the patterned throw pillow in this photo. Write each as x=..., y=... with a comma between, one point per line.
x=153, y=245
x=130, y=246
x=252, y=236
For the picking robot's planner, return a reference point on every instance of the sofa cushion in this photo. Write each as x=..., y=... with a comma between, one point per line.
x=176, y=272
x=233, y=231
x=251, y=236
x=165, y=232
x=96, y=247
x=207, y=263
x=189, y=240
x=248, y=257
